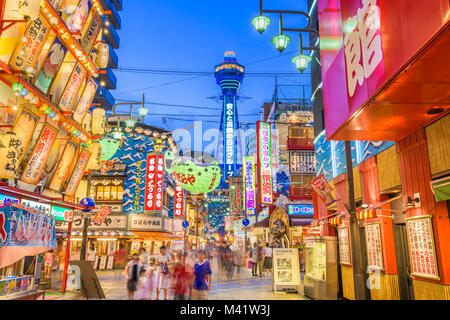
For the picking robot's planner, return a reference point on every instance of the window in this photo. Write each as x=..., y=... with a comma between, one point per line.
x=109, y=193
x=302, y=162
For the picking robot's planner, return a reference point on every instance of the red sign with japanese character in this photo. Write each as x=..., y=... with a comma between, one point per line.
x=101, y=215
x=150, y=182
x=159, y=182
x=178, y=210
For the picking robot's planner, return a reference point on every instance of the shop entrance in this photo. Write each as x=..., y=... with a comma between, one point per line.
x=405, y=282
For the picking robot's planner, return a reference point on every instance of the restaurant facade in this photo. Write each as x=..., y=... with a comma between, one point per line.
x=385, y=89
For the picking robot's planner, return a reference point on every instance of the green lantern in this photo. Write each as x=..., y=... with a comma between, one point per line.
x=301, y=62
x=130, y=123
x=196, y=178
x=261, y=23
x=143, y=111
x=117, y=135
x=17, y=87
x=281, y=41
x=109, y=148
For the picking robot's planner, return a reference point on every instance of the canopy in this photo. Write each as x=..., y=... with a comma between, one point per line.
x=441, y=189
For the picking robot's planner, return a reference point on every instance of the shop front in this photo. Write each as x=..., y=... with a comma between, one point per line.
x=400, y=95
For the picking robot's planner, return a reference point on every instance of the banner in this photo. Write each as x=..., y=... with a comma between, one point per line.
x=72, y=87
x=150, y=184
x=101, y=215
x=179, y=201
x=264, y=149
x=323, y=189
x=235, y=189
x=78, y=19
x=36, y=163
x=30, y=45
x=23, y=228
x=78, y=172
x=249, y=184
x=50, y=66
x=26, y=123
x=85, y=101
x=63, y=168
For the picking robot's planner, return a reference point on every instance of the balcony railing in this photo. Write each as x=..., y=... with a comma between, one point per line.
x=300, y=143
x=300, y=193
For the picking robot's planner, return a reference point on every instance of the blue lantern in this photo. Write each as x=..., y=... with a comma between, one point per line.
x=245, y=222
x=24, y=92
x=87, y=204
x=185, y=224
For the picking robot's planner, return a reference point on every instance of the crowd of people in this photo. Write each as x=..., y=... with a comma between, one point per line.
x=188, y=275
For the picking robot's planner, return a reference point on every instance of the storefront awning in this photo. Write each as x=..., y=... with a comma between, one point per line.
x=155, y=234
x=441, y=189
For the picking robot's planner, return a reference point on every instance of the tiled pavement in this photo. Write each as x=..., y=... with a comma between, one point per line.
x=245, y=288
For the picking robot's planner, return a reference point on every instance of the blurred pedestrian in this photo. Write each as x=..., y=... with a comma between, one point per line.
x=252, y=256
x=179, y=278
x=48, y=261
x=259, y=258
x=120, y=256
x=202, y=280
x=267, y=252
x=133, y=271
x=143, y=257
x=91, y=254
x=162, y=275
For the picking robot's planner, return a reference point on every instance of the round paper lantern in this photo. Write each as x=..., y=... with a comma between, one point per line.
x=193, y=174
x=87, y=204
x=24, y=92
x=17, y=87
x=98, y=116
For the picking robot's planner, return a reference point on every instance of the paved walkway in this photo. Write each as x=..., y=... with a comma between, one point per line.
x=246, y=288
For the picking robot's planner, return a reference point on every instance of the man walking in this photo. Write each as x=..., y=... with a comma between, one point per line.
x=133, y=270
x=202, y=280
x=259, y=258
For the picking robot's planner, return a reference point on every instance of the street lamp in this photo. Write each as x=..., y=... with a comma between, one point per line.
x=143, y=111
x=130, y=123
x=301, y=62
x=261, y=23
x=281, y=41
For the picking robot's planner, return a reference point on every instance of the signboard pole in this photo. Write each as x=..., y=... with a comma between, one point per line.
x=355, y=238
x=87, y=221
x=66, y=259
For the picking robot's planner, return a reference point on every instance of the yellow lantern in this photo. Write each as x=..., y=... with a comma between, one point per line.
x=96, y=154
x=98, y=118
x=10, y=154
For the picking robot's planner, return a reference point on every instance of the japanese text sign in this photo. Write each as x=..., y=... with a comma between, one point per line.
x=249, y=184
x=78, y=172
x=264, y=161
x=178, y=210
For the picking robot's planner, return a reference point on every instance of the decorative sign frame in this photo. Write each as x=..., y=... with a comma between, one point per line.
x=422, y=246
x=374, y=245
x=345, y=253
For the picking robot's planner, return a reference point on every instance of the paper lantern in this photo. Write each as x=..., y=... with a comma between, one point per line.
x=29, y=9
x=95, y=160
x=17, y=87
x=10, y=154
x=98, y=117
x=109, y=148
x=192, y=175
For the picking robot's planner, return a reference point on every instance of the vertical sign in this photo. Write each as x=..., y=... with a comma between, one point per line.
x=178, y=210
x=78, y=172
x=85, y=100
x=63, y=167
x=30, y=45
x=24, y=128
x=137, y=187
x=374, y=246
x=344, y=246
x=92, y=32
x=249, y=184
x=264, y=161
x=229, y=138
x=77, y=20
x=36, y=163
x=159, y=183
x=421, y=247
x=150, y=183
x=50, y=66
x=73, y=85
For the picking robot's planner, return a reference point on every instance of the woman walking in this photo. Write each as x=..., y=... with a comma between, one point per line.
x=162, y=276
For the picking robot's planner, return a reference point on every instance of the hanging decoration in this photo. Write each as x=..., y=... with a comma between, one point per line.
x=192, y=174
x=96, y=153
x=109, y=148
x=98, y=119
x=366, y=214
x=10, y=154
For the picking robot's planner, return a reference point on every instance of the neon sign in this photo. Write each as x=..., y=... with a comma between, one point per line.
x=249, y=176
x=265, y=161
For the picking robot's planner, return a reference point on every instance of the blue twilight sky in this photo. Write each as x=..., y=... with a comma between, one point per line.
x=193, y=35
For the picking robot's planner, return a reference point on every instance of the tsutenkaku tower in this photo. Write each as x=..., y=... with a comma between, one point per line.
x=229, y=75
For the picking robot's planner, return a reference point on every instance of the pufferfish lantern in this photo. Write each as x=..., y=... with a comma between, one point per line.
x=193, y=174
x=109, y=148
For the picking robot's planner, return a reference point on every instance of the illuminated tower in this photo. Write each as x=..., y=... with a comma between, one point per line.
x=229, y=75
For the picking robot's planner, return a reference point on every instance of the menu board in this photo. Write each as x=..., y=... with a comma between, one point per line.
x=421, y=247
x=286, y=267
x=374, y=246
x=344, y=246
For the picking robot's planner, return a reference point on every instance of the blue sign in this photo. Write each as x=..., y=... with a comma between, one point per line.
x=185, y=224
x=4, y=199
x=246, y=222
x=88, y=204
x=301, y=209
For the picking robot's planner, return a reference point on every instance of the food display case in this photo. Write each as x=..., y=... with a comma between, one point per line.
x=320, y=280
